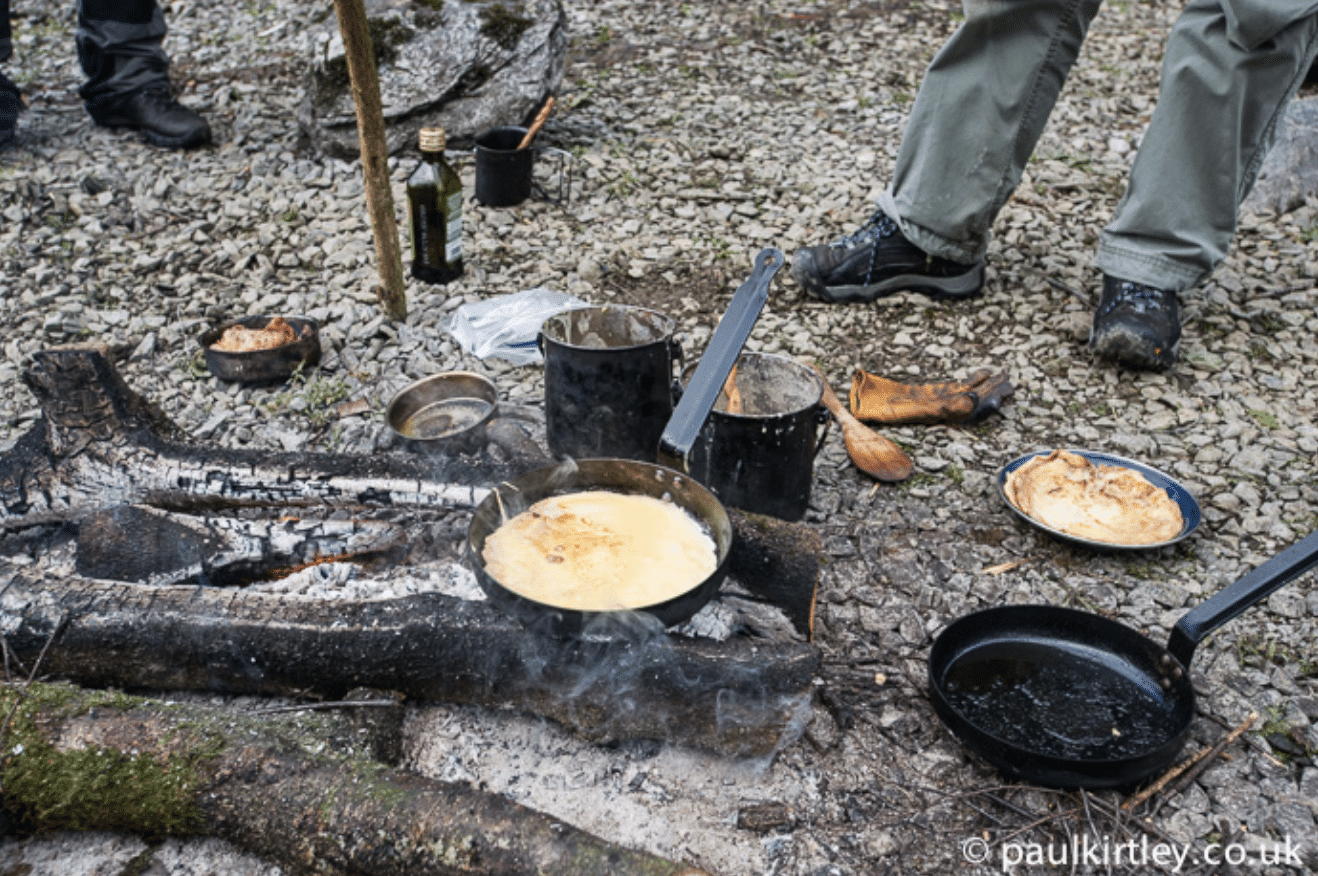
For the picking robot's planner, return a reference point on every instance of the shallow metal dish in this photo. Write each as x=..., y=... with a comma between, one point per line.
x=1190, y=513
x=263, y=366
x=442, y=410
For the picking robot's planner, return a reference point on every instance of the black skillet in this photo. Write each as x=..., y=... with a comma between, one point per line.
x=1069, y=699
x=669, y=482
x=263, y=366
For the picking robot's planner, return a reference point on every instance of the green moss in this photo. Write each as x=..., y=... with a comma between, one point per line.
x=138, y=864
x=374, y=780
x=504, y=25
x=1265, y=419
x=387, y=34
x=92, y=788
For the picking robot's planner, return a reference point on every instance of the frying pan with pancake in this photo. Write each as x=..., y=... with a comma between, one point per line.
x=1189, y=507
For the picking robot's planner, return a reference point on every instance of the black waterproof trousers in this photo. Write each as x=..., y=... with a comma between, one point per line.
x=120, y=47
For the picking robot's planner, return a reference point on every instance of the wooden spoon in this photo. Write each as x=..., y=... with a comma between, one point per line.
x=871, y=452
x=731, y=391
x=537, y=124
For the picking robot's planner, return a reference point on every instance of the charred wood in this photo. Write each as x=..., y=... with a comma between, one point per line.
x=740, y=697
x=778, y=562
x=101, y=445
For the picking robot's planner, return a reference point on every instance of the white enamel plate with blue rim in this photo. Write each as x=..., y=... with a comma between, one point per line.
x=1190, y=514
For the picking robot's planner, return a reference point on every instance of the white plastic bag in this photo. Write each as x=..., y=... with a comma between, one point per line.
x=506, y=327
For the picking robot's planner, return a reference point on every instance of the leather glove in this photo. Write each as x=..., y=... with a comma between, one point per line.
x=881, y=400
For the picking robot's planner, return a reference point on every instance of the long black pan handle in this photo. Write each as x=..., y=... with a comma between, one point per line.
x=1250, y=588
x=716, y=362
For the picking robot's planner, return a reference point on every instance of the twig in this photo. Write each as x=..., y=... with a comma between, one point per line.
x=59, y=626
x=1198, y=770
x=1259, y=746
x=316, y=707
x=1070, y=844
x=984, y=812
x=1042, y=820
x=1062, y=287
x=1093, y=828
x=1145, y=825
x=1166, y=777
x=1024, y=813
x=1003, y=567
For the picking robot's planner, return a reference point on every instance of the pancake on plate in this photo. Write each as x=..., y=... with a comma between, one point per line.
x=1105, y=503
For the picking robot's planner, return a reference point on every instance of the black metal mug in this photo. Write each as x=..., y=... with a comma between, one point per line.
x=505, y=175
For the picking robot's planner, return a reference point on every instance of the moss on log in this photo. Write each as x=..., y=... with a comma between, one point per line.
x=301, y=790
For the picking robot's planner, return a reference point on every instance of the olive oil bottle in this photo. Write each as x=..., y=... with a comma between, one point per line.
x=434, y=200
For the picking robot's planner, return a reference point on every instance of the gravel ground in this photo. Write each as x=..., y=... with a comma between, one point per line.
x=703, y=133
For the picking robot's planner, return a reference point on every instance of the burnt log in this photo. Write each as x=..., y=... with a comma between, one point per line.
x=107, y=464
x=740, y=697
x=99, y=445
x=300, y=790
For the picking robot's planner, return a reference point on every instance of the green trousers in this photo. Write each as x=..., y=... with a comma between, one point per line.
x=1229, y=70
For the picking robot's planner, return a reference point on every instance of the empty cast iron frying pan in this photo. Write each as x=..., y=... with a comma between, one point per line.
x=1070, y=699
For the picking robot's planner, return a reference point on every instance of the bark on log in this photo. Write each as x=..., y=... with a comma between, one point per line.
x=779, y=562
x=300, y=790
x=360, y=55
x=741, y=697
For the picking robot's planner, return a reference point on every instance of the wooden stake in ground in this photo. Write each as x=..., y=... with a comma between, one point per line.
x=375, y=154
x=305, y=791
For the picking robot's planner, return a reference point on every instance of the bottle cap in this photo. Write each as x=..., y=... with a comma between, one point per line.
x=432, y=139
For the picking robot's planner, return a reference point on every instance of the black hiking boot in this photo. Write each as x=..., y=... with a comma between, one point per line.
x=878, y=260
x=157, y=116
x=1136, y=325
x=11, y=104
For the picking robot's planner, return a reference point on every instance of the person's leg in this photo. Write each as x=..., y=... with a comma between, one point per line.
x=6, y=34
x=11, y=101
x=980, y=110
x=1218, y=108
x=120, y=47
x=979, y=113
x=1229, y=70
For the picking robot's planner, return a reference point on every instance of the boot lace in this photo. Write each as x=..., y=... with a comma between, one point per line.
x=877, y=227
x=1137, y=297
